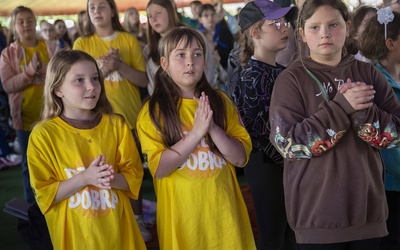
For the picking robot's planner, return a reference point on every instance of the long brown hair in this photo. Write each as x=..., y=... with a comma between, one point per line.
x=165, y=102
x=59, y=65
x=116, y=25
x=376, y=48
x=152, y=36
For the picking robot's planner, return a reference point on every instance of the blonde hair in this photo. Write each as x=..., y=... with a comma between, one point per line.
x=58, y=67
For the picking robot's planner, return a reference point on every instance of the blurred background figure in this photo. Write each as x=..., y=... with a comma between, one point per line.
x=359, y=20
x=62, y=31
x=82, y=24
x=49, y=35
x=132, y=25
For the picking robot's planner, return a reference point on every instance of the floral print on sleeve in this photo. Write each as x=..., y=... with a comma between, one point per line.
x=371, y=134
x=316, y=146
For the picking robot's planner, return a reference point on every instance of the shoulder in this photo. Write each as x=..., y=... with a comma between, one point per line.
x=46, y=127
x=144, y=111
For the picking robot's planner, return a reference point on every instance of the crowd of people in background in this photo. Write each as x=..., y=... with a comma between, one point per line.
x=290, y=91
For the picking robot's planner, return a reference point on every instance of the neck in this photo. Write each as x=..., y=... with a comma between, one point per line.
x=327, y=60
x=82, y=123
x=105, y=31
x=33, y=42
x=393, y=68
x=187, y=94
x=266, y=56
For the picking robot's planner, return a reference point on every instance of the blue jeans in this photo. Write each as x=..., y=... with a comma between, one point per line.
x=23, y=137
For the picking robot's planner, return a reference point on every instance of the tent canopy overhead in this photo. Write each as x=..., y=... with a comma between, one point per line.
x=71, y=7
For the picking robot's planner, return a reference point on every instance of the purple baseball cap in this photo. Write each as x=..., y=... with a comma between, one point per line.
x=258, y=10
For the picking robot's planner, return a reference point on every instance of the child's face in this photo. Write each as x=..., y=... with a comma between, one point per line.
x=133, y=17
x=185, y=65
x=100, y=13
x=158, y=18
x=25, y=26
x=269, y=37
x=208, y=19
x=80, y=90
x=61, y=29
x=325, y=33
x=47, y=31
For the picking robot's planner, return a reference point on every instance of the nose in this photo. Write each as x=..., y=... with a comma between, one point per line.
x=90, y=85
x=190, y=61
x=325, y=33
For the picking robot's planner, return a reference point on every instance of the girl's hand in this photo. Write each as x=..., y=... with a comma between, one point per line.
x=358, y=94
x=203, y=117
x=111, y=62
x=348, y=85
x=36, y=63
x=99, y=174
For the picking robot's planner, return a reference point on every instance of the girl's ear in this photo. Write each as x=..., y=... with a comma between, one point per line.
x=164, y=63
x=348, y=23
x=389, y=44
x=58, y=93
x=255, y=32
x=303, y=37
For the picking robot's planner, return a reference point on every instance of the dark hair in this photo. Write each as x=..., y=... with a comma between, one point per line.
x=59, y=65
x=308, y=9
x=352, y=44
x=375, y=48
x=165, y=102
x=116, y=25
x=205, y=7
x=357, y=18
x=152, y=36
x=65, y=37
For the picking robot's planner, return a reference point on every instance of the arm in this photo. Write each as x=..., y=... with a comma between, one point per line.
x=126, y=65
x=97, y=174
x=231, y=149
x=171, y=159
x=303, y=124
x=13, y=80
x=379, y=125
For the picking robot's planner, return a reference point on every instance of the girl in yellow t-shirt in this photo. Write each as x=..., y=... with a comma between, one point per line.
x=192, y=138
x=23, y=69
x=83, y=160
x=120, y=58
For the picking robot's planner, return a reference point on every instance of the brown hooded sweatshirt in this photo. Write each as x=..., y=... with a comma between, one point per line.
x=333, y=172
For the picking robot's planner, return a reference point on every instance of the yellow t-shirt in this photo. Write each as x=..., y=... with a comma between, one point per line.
x=123, y=95
x=92, y=218
x=32, y=102
x=200, y=205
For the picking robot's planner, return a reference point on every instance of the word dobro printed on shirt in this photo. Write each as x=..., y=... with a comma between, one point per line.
x=202, y=162
x=91, y=198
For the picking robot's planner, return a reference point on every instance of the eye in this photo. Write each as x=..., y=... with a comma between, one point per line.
x=333, y=25
x=198, y=55
x=181, y=55
x=95, y=79
x=80, y=80
x=314, y=27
